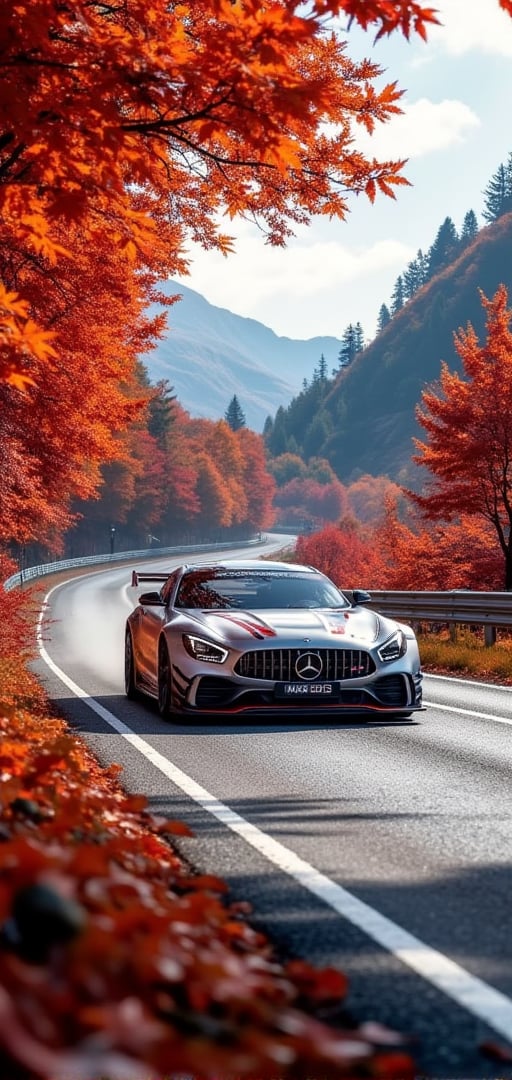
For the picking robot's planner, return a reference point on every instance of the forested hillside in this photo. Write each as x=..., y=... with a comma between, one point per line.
x=372, y=406
x=364, y=421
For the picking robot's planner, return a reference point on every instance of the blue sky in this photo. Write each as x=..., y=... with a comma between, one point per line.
x=455, y=131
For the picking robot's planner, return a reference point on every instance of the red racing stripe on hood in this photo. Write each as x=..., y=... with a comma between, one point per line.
x=258, y=630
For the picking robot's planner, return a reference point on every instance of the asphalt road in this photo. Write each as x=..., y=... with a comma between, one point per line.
x=383, y=848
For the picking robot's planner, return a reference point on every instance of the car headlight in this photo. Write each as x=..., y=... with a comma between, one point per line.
x=394, y=647
x=200, y=649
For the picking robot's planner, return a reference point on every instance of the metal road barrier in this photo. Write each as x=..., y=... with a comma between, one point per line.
x=487, y=609
x=33, y=572
x=458, y=606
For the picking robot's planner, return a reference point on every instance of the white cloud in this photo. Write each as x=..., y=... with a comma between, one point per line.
x=313, y=287
x=472, y=26
x=423, y=128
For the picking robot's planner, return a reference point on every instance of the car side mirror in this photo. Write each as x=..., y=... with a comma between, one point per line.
x=150, y=599
x=360, y=596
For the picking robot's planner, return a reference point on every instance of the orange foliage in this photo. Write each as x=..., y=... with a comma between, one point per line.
x=223, y=448
x=306, y=500
x=116, y=961
x=389, y=15
x=215, y=500
x=366, y=497
x=259, y=485
x=390, y=554
x=16, y=630
x=142, y=121
x=343, y=552
x=468, y=421
x=18, y=687
x=461, y=555
x=55, y=435
x=191, y=480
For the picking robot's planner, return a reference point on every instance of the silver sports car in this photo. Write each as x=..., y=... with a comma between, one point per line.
x=251, y=637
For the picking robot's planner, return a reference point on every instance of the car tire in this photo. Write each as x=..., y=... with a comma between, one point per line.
x=164, y=681
x=130, y=683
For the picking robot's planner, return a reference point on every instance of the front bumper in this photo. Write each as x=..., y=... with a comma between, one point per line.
x=398, y=693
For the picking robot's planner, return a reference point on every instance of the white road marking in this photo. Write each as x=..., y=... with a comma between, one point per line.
x=468, y=712
x=472, y=993
x=467, y=682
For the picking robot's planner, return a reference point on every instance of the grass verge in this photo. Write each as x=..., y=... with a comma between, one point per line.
x=467, y=656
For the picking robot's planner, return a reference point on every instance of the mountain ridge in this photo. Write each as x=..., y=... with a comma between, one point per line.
x=364, y=420
x=209, y=354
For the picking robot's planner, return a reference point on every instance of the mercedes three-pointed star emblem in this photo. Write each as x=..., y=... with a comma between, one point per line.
x=308, y=666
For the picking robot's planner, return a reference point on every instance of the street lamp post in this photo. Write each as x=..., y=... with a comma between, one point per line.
x=112, y=539
x=22, y=561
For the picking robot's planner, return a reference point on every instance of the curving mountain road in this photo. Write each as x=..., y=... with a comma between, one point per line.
x=384, y=848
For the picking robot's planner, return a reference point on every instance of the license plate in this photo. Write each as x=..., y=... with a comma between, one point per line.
x=317, y=691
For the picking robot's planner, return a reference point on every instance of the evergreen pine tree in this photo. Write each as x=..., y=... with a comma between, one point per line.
x=278, y=436
x=316, y=433
x=498, y=193
x=411, y=279
x=383, y=318
x=444, y=247
x=292, y=446
x=397, y=296
x=469, y=228
x=349, y=345
x=416, y=275
x=234, y=414
x=320, y=373
x=160, y=410
x=359, y=337
x=422, y=263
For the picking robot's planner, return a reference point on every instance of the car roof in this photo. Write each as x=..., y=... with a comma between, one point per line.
x=253, y=564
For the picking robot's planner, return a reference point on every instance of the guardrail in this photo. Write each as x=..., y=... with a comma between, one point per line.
x=487, y=609
x=32, y=572
x=482, y=608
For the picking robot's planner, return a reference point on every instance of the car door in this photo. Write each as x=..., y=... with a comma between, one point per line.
x=151, y=619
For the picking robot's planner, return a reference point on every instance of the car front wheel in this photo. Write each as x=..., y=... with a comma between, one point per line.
x=164, y=681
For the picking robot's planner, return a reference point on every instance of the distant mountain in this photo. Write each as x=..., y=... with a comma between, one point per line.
x=209, y=354
x=370, y=409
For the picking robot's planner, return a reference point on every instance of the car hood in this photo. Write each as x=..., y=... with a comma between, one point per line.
x=360, y=626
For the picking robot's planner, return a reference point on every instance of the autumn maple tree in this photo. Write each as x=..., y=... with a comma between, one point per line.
x=142, y=121
x=468, y=423
x=258, y=484
x=125, y=131
x=346, y=552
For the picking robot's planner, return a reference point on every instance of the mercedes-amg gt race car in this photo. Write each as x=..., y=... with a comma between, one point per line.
x=254, y=637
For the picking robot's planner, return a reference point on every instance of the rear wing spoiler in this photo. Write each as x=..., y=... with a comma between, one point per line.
x=137, y=576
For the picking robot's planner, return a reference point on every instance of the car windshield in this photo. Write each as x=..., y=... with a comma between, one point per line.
x=211, y=589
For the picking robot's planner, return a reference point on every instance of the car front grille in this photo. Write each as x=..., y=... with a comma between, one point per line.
x=278, y=665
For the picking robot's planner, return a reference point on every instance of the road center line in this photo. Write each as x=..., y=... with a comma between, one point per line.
x=480, y=999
